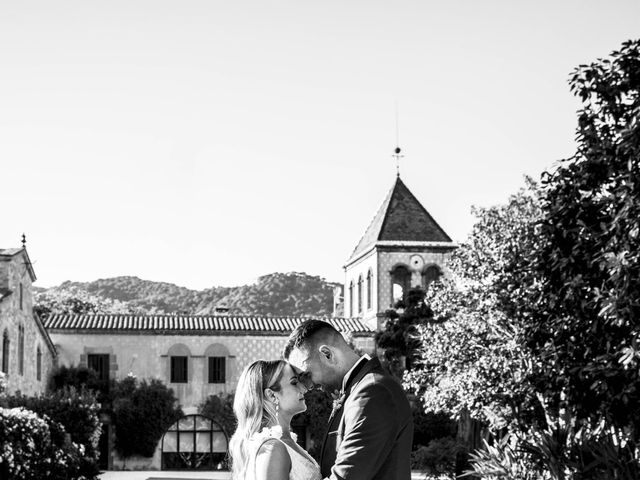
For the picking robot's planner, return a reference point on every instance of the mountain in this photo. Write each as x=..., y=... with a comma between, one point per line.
x=276, y=294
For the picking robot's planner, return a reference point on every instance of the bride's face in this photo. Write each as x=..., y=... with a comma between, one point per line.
x=291, y=394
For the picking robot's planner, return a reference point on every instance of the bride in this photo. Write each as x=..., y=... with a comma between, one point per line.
x=263, y=448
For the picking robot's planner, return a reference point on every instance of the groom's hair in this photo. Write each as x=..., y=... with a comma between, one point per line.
x=309, y=333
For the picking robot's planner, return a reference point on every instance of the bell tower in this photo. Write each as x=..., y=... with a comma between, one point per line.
x=403, y=247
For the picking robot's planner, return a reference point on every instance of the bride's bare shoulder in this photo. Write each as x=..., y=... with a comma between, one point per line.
x=273, y=461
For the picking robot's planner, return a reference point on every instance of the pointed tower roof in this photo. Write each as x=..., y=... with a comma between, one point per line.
x=401, y=219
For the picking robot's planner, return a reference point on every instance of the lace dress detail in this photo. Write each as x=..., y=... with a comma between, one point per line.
x=303, y=466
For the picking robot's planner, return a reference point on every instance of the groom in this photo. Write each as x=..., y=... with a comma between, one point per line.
x=371, y=427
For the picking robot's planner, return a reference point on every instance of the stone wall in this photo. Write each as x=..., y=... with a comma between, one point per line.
x=15, y=271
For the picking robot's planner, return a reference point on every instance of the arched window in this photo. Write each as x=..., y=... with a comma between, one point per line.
x=39, y=364
x=351, y=299
x=5, y=352
x=21, y=349
x=369, y=285
x=195, y=442
x=430, y=274
x=360, y=293
x=21, y=296
x=400, y=281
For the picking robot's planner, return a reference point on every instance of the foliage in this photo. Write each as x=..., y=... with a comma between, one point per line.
x=579, y=291
x=291, y=294
x=220, y=409
x=79, y=378
x=471, y=357
x=316, y=418
x=32, y=448
x=76, y=301
x=142, y=412
x=399, y=337
x=542, y=311
x=76, y=411
x=505, y=461
x=428, y=426
x=438, y=458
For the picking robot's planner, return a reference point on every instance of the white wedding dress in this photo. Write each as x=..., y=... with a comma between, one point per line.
x=303, y=466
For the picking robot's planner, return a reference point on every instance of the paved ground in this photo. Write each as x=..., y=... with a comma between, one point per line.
x=155, y=475
x=119, y=475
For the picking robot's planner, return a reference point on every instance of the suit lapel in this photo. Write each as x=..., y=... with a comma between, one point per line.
x=355, y=377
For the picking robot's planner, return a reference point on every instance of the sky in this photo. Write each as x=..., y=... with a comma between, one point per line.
x=206, y=143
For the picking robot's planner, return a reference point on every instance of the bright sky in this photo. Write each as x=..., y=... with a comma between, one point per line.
x=207, y=143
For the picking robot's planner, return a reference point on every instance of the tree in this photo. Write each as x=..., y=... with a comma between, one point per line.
x=579, y=291
x=78, y=302
x=142, y=412
x=220, y=409
x=471, y=358
x=399, y=338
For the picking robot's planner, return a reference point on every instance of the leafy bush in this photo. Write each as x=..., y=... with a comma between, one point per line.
x=428, y=426
x=76, y=411
x=34, y=448
x=142, y=412
x=79, y=378
x=220, y=409
x=316, y=418
x=438, y=458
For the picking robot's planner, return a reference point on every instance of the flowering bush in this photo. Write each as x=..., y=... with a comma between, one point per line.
x=33, y=448
x=76, y=412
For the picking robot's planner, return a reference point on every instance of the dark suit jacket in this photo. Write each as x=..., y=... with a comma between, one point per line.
x=370, y=437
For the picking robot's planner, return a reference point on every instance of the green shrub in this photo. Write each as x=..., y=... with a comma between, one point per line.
x=76, y=411
x=142, y=412
x=316, y=419
x=220, y=409
x=79, y=378
x=438, y=458
x=35, y=448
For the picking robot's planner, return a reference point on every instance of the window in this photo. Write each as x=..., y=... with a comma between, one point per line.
x=99, y=363
x=369, y=283
x=21, y=349
x=20, y=296
x=5, y=352
x=179, y=371
x=430, y=274
x=39, y=364
x=360, y=292
x=194, y=442
x=400, y=281
x=217, y=369
x=351, y=299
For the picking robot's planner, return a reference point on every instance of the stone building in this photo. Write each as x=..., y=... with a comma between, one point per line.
x=27, y=353
x=403, y=247
x=196, y=356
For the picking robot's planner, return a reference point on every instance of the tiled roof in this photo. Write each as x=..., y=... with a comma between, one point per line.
x=9, y=252
x=401, y=218
x=192, y=323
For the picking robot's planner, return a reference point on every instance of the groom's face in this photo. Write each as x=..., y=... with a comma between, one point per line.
x=312, y=370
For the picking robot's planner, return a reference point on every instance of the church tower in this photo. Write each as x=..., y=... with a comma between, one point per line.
x=403, y=247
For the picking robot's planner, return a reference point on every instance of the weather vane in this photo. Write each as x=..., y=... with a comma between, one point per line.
x=396, y=153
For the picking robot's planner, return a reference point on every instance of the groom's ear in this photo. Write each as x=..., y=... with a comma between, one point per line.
x=326, y=353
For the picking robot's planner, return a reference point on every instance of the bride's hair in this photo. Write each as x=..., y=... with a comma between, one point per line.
x=252, y=409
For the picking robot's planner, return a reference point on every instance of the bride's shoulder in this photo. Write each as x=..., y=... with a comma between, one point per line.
x=268, y=433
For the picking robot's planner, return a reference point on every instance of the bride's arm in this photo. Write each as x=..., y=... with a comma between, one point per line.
x=273, y=461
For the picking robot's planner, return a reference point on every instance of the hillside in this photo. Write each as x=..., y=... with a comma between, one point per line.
x=282, y=294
